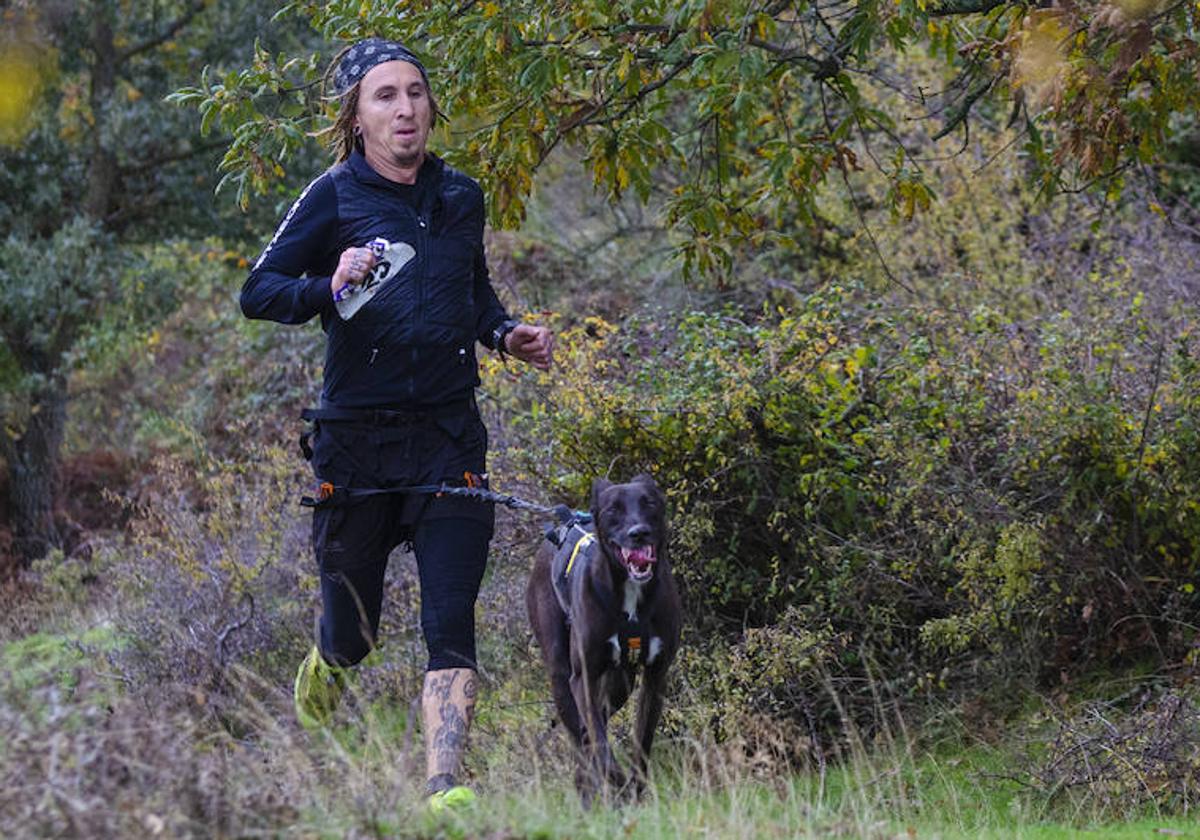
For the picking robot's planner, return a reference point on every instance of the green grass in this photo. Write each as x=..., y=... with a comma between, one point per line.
x=698, y=790
x=792, y=807
x=53, y=658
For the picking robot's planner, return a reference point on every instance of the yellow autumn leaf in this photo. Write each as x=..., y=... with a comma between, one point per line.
x=625, y=65
x=20, y=84
x=1041, y=53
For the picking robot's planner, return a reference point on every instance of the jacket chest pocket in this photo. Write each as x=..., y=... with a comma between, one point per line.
x=449, y=288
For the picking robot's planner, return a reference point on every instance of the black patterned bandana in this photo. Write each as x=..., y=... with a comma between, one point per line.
x=367, y=54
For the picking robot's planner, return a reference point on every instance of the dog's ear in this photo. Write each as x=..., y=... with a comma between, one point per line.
x=651, y=486
x=599, y=485
x=646, y=481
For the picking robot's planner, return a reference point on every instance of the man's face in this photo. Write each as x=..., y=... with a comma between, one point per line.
x=394, y=115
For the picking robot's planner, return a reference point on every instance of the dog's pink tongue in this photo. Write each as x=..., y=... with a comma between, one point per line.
x=640, y=557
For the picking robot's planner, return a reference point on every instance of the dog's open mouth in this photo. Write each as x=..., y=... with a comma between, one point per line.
x=639, y=562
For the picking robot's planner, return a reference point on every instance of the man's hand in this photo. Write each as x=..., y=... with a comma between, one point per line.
x=532, y=344
x=353, y=267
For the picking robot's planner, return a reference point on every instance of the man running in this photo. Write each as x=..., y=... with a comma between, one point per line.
x=387, y=248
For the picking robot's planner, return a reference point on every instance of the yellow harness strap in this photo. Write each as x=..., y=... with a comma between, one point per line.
x=585, y=540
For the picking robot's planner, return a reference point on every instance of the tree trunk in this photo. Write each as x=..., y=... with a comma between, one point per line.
x=102, y=166
x=33, y=460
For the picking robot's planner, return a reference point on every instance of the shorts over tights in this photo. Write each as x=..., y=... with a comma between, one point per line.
x=352, y=539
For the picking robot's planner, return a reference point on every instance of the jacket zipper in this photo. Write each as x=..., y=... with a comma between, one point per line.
x=423, y=277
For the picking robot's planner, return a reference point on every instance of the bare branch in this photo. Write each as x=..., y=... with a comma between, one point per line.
x=786, y=53
x=959, y=115
x=169, y=32
x=963, y=7
x=174, y=157
x=599, y=115
x=854, y=201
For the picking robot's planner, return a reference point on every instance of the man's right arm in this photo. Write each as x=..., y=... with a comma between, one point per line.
x=290, y=281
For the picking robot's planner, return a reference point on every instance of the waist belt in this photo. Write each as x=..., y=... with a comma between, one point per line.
x=388, y=416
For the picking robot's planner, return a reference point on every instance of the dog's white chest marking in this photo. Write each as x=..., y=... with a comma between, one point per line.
x=633, y=596
x=655, y=649
x=629, y=605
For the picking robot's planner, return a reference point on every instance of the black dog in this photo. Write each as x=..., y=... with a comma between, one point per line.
x=602, y=605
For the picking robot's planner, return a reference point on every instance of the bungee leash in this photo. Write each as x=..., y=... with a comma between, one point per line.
x=330, y=494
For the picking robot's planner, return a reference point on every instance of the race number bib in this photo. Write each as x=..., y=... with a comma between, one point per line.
x=390, y=257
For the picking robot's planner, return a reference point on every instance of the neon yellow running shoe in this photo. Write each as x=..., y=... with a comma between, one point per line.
x=457, y=798
x=318, y=689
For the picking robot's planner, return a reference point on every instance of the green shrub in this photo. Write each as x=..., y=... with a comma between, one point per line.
x=941, y=508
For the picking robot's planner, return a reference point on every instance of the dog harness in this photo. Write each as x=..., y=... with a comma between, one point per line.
x=577, y=547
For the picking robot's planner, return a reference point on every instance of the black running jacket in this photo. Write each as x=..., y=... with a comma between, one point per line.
x=407, y=338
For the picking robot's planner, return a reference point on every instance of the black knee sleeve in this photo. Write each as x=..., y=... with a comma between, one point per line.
x=352, y=600
x=451, y=557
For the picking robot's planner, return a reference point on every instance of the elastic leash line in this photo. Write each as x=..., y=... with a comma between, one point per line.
x=563, y=513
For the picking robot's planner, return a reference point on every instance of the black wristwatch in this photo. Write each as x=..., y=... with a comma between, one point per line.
x=501, y=333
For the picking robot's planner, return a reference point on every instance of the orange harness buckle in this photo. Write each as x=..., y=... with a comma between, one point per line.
x=473, y=481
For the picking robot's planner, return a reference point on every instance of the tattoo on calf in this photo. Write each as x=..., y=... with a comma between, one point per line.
x=441, y=684
x=450, y=738
x=453, y=706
